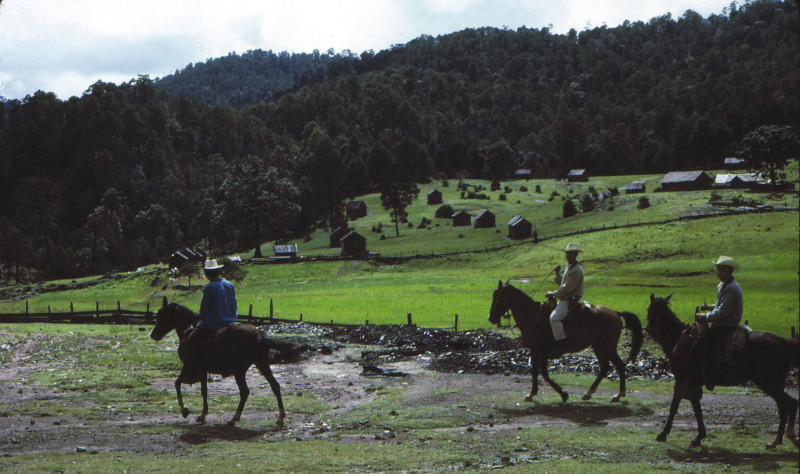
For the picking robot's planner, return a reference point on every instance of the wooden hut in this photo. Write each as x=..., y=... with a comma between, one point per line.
x=747, y=181
x=177, y=259
x=723, y=180
x=354, y=244
x=577, y=176
x=356, y=209
x=336, y=236
x=522, y=173
x=435, y=197
x=285, y=250
x=519, y=228
x=461, y=218
x=686, y=181
x=635, y=187
x=485, y=219
x=733, y=163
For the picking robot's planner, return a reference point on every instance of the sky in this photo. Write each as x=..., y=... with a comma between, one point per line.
x=65, y=46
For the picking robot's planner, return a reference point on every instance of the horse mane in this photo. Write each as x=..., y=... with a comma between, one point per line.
x=668, y=321
x=523, y=295
x=180, y=309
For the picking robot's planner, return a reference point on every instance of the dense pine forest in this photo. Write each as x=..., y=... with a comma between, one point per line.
x=263, y=146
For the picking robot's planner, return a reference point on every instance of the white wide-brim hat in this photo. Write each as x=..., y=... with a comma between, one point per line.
x=572, y=248
x=212, y=265
x=727, y=261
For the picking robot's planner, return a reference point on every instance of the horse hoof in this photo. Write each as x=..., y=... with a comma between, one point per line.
x=201, y=419
x=695, y=443
x=564, y=397
x=184, y=412
x=661, y=438
x=771, y=446
x=616, y=398
x=586, y=397
x=231, y=423
x=529, y=398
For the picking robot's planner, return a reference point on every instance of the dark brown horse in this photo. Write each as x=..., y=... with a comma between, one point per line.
x=231, y=351
x=601, y=332
x=766, y=362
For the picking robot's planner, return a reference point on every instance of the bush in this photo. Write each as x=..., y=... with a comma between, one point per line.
x=445, y=183
x=539, y=188
x=232, y=271
x=503, y=197
x=569, y=208
x=644, y=203
x=507, y=189
x=495, y=186
x=444, y=211
x=523, y=189
x=587, y=203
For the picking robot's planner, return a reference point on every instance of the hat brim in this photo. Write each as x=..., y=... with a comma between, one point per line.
x=214, y=268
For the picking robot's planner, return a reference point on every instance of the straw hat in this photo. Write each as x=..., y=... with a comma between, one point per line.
x=572, y=248
x=727, y=261
x=212, y=265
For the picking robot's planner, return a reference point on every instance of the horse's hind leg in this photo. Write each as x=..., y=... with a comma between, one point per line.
x=204, y=393
x=620, y=366
x=701, y=427
x=266, y=371
x=602, y=362
x=787, y=407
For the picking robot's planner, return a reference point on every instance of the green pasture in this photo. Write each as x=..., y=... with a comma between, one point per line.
x=623, y=267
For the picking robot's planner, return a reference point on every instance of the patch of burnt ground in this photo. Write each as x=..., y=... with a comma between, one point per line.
x=474, y=352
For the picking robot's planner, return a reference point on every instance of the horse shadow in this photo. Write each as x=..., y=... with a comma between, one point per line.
x=203, y=433
x=583, y=414
x=763, y=461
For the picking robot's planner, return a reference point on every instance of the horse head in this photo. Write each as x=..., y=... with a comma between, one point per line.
x=659, y=315
x=172, y=316
x=500, y=304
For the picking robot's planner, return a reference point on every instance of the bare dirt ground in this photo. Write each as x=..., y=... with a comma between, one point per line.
x=340, y=371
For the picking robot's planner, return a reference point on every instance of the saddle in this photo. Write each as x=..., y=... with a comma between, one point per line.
x=580, y=313
x=712, y=358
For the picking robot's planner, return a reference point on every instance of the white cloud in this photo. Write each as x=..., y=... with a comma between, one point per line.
x=65, y=46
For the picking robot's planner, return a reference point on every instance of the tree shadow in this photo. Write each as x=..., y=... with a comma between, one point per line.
x=581, y=413
x=203, y=433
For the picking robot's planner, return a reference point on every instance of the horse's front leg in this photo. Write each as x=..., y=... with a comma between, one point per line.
x=204, y=392
x=244, y=392
x=701, y=427
x=551, y=382
x=534, y=378
x=673, y=409
x=178, y=382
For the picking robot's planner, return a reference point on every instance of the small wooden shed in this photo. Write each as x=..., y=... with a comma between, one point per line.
x=747, y=181
x=485, y=219
x=435, y=197
x=522, y=173
x=336, y=236
x=177, y=259
x=635, y=187
x=686, y=181
x=519, y=228
x=356, y=209
x=285, y=250
x=577, y=176
x=461, y=218
x=354, y=244
x=733, y=163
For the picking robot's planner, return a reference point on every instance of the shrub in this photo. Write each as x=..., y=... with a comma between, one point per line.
x=569, y=208
x=523, y=189
x=644, y=203
x=495, y=186
x=232, y=271
x=444, y=211
x=507, y=189
x=445, y=183
x=587, y=203
x=503, y=197
x=539, y=188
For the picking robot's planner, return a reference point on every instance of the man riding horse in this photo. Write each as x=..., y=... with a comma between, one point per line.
x=725, y=316
x=569, y=293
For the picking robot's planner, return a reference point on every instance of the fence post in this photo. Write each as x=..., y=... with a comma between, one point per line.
x=119, y=307
x=409, y=322
x=270, y=310
x=250, y=312
x=366, y=322
x=301, y=317
x=26, y=306
x=455, y=325
x=71, y=307
x=97, y=308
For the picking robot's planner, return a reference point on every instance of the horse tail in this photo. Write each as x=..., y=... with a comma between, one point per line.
x=794, y=350
x=633, y=324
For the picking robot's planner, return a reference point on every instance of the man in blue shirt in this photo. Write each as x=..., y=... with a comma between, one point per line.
x=217, y=309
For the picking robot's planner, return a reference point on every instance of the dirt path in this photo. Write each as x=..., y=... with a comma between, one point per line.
x=335, y=379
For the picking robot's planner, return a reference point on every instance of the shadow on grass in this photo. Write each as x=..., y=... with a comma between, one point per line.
x=763, y=461
x=578, y=413
x=201, y=434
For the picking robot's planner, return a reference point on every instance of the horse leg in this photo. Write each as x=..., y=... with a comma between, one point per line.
x=551, y=382
x=673, y=409
x=620, y=366
x=244, y=392
x=534, y=377
x=792, y=414
x=787, y=406
x=266, y=371
x=178, y=382
x=701, y=427
x=602, y=362
x=204, y=393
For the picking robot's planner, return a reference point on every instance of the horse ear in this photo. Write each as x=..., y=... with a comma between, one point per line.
x=499, y=284
x=508, y=281
x=165, y=301
x=669, y=297
x=652, y=297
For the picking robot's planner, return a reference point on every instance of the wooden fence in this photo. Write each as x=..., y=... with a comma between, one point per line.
x=133, y=317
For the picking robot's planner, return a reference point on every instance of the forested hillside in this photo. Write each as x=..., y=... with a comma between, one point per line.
x=125, y=174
